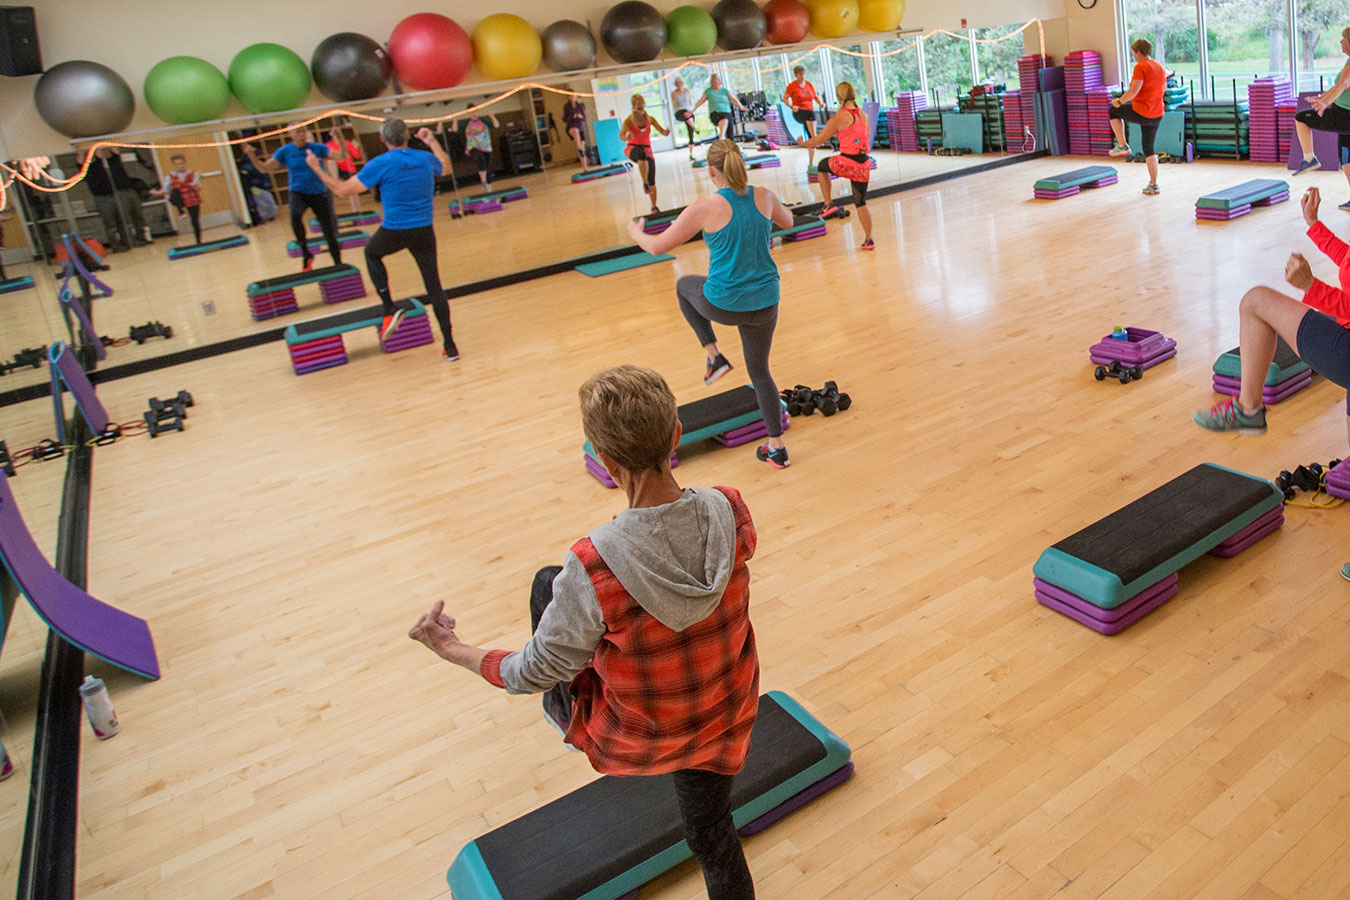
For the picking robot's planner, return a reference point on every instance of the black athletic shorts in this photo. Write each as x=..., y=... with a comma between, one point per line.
x=1325, y=346
x=804, y=115
x=1148, y=127
x=1337, y=119
x=717, y=117
x=639, y=152
x=859, y=187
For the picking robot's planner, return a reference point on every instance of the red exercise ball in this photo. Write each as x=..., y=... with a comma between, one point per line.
x=429, y=52
x=788, y=21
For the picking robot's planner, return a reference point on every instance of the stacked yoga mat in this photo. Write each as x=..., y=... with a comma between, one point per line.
x=1287, y=375
x=1228, y=204
x=1264, y=96
x=276, y=296
x=1142, y=348
x=1114, y=572
x=1060, y=186
x=346, y=240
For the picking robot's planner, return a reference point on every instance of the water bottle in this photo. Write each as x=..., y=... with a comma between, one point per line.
x=98, y=706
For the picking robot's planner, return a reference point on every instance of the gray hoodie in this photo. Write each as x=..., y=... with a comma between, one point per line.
x=675, y=560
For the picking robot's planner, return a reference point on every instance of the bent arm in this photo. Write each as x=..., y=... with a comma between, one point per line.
x=831, y=128
x=685, y=226
x=441, y=156
x=346, y=188
x=1129, y=95
x=703, y=98
x=659, y=127
x=781, y=215
x=1328, y=243
x=268, y=165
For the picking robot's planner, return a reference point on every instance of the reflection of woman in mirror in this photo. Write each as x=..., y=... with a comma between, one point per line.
x=801, y=96
x=637, y=131
x=719, y=101
x=574, y=120
x=478, y=144
x=852, y=162
x=683, y=102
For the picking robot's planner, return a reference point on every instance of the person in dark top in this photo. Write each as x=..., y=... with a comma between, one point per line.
x=574, y=120
x=119, y=206
x=407, y=182
x=307, y=191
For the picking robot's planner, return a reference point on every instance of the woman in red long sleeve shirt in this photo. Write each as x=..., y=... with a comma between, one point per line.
x=1317, y=328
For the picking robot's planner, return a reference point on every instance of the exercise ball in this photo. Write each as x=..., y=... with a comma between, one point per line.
x=506, y=46
x=832, y=18
x=633, y=32
x=429, y=52
x=568, y=46
x=80, y=99
x=690, y=31
x=269, y=78
x=349, y=66
x=185, y=89
x=786, y=21
x=740, y=24
x=880, y=15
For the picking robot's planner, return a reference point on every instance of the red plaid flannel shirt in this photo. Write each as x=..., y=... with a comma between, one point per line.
x=655, y=700
x=182, y=182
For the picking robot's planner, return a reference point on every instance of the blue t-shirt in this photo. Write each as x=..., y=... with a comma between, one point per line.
x=302, y=178
x=407, y=182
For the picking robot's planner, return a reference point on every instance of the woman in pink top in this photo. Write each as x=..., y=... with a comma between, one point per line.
x=852, y=162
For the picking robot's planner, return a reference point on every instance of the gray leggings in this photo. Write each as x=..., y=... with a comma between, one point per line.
x=756, y=328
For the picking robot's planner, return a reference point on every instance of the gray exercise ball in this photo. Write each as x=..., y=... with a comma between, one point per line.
x=568, y=46
x=82, y=99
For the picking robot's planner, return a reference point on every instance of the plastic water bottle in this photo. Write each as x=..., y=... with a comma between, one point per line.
x=98, y=707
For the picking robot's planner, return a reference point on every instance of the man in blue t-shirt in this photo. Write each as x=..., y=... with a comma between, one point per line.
x=306, y=190
x=407, y=182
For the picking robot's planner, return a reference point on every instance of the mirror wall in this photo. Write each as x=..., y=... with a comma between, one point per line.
x=203, y=298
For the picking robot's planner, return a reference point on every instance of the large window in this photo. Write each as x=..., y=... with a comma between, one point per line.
x=696, y=81
x=844, y=67
x=740, y=76
x=947, y=63
x=775, y=82
x=1245, y=39
x=1170, y=25
x=899, y=71
x=1318, y=43
x=998, y=60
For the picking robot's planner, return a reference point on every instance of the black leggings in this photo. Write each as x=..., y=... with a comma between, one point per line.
x=1148, y=127
x=639, y=152
x=704, y=797
x=756, y=328
x=685, y=116
x=322, y=205
x=1337, y=119
x=421, y=243
x=481, y=158
x=194, y=214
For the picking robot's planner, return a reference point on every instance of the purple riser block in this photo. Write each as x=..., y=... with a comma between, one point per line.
x=655, y=229
x=510, y=198
x=1107, y=616
x=1055, y=195
x=484, y=207
x=1273, y=199
x=1146, y=364
x=1133, y=351
x=1250, y=535
x=1275, y=514
x=401, y=341
x=1108, y=628
x=302, y=354
x=1270, y=393
x=597, y=471
x=797, y=801
x=343, y=295
x=260, y=314
x=747, y=433
x=1103, y=182
x=772, y=164
x=804, y=235
x=1338, y=481
x=1223, y=215
x=318, y=360
x=274, y=296
x=318, y=366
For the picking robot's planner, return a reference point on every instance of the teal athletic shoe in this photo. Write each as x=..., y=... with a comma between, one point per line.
x=1345, y=571
x=1227, y=416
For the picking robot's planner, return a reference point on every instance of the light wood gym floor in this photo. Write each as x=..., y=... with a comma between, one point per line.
x=300, y=746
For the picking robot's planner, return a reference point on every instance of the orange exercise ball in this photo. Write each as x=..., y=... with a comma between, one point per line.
x=787, y=21
x=832, y=18
x=880, y=15
x=506, y=46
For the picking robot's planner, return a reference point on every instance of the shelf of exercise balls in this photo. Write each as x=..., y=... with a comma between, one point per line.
x=347, y=240
x=276, y=296
x=318, y=343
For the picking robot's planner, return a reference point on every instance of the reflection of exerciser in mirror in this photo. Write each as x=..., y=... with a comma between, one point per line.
x=183, y=188
x=637, y=131
x=852, y=161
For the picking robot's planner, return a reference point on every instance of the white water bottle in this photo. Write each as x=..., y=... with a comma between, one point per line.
x=98, y=707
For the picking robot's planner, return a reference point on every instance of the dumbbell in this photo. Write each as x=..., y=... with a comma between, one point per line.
x=830, y=394
x=799, y=401
x=1119, y=371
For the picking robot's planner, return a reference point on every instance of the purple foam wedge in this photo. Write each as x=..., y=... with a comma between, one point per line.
x=1262, y=526
x=797, y=801
x=1270, y=393
x=1123, y=616
x=1338, y=481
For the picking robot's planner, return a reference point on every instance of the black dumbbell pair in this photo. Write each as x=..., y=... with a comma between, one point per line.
x=803, y=401
x=1304, y=478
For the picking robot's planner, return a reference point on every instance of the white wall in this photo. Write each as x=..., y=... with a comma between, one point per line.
x=130, y=37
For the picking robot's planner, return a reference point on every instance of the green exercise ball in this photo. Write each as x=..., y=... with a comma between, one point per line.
x=269, y=78
x=690, y=31
x=184, y=89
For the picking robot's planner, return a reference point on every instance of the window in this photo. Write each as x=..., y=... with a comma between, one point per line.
x=740, y=76
x=899, y=71
x=1318, y=44
x=846, y=68
x=947, y=63
x=998, y=61
x=1170, y=25
x=696, y=81
x=776, y=82
x=1244, y=39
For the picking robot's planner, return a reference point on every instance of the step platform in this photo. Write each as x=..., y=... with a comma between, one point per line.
x=1287, y=374
x=804, y=228
x=346, y=240
x=508, y=195
x=363, y=217
x=602, y=172
x=318, y=343
x=1337, y=482
x=1114, y=572
x=607, y=839
x=1144, y=349
x=276, y=296
x=237, y=240
x=655, y=223
x=1060, y=186
x=1270, y=393
x=474, y=208
x=22, y=283
x=1238, y=201
x=732, y=415
x=812, y=176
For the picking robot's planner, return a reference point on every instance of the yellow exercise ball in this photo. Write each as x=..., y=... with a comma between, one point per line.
x=506, y=46
x=880, y=15
x=832, y=18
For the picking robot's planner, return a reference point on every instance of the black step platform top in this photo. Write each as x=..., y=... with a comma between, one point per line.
x=298, y=278
x=1166, y=521
x=714, y=410
x=582, y=840
x=350, y=319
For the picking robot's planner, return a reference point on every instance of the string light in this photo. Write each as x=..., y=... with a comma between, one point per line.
x=33, y=170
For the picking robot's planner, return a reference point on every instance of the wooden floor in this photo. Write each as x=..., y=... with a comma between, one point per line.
x=300, y=746
x=203, y=298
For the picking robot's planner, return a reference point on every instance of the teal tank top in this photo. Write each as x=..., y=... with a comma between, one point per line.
x=1343, y=101
x=742, y=275
x=719, y=100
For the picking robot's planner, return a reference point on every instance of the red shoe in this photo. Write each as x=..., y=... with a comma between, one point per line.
x=308, y=264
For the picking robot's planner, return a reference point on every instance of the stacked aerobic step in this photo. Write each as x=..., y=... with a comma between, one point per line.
x=191, y=250
x=804, y=228
x=603, y=172
x=510, y=195
x=475, y=207
x=1013, y=137
x=1225, y=205
x=1337, y=482
x=362, y=217
x=1029, y=79
x=1139, y=347
x=276, y=296
x=773, y=123
x=1117, y=570
x=346, y=240
x=1060, y=186
x=928, y=125
x=318, y=343
x=659, y=222
x=16, y=284
x=904, y=135
x=1264, y=97
x=1287, y=375
x=812, y=176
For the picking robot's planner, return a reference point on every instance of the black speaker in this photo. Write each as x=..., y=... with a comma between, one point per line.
x=19, y=53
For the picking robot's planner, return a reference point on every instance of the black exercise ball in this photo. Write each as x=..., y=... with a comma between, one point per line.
x=633, y=32
x=740, y=24
x=350, y=66
x=568, y=46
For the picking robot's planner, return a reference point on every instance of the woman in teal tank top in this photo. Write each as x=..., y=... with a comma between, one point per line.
x=741, y=287
x=1330, y=112
x=719, y=100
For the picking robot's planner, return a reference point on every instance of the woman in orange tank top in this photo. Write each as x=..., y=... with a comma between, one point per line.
x=852, y=161
x=637, y=131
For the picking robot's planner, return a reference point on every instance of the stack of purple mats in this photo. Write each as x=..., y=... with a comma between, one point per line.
x=904, y=135
x=1144, y=349
x=747, y=433
x=1264, y=96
